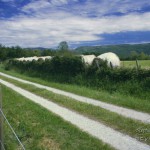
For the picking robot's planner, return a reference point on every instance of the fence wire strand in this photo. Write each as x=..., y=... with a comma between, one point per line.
x=2, y=145
x=11, y=130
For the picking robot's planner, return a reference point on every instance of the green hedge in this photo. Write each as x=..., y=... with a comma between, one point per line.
x=70, y=69
x=58, y=65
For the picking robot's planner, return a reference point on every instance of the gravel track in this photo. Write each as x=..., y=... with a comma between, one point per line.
x=106, y=134
x=143, y=117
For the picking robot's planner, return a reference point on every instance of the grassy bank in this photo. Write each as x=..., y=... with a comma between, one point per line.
x=120, y=123
x=116, y=98
x=39, y=129
x=70, y=70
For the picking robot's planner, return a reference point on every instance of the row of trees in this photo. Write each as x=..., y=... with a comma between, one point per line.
x=140, y=56
x=17, y=52
x=63, y=49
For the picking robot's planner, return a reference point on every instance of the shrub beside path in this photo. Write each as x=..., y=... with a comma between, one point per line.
x=143, y=117
x=106, y=134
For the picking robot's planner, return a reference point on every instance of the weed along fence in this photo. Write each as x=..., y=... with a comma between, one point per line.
x=4, y=121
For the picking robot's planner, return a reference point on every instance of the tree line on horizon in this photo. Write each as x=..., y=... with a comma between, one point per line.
x=17, y=51
x=125, y=52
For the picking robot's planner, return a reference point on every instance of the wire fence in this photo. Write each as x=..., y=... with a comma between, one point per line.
x=2, y=145
x=15, y=135
x=3, y=119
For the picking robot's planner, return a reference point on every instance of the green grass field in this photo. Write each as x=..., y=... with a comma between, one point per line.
x=120, y=123
x=39, y=129
x=116, y=98
x=145, y=64
x=28, y=127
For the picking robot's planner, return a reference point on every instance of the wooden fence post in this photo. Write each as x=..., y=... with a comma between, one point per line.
x=1, y=121
x=137, y=66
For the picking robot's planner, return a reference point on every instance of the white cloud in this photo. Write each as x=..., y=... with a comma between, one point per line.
x=49, y=22
x=49, y=30
x=59, y=2
x=36, y=5
x=44, y=4
x=103, y=7
x=88, y=8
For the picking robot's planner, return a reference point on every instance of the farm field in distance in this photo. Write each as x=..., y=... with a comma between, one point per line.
x=144, y=64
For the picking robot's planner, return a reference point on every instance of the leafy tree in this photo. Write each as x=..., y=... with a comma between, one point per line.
x=48, y=52
x=143, y=56
x=134, y=55
x=63, y=46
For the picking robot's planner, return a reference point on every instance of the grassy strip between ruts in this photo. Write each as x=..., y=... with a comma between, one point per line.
x=40, y=129
x=115, y=98
x=120, y=123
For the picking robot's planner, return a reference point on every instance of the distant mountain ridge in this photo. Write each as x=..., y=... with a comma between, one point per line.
x=37, y=48
x=123, y=50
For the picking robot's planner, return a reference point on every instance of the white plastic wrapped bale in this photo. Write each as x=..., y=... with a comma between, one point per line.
x=111, y=58
x=20, y=59
x=45, y=57
x=88, y=59
x=31, y=58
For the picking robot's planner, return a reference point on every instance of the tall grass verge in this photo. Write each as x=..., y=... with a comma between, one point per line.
x=40, y=129
x=118, y=122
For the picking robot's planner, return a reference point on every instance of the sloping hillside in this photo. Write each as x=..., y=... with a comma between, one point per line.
x=123, y=50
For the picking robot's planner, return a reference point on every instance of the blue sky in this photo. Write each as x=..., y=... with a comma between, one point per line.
x=45, y=23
